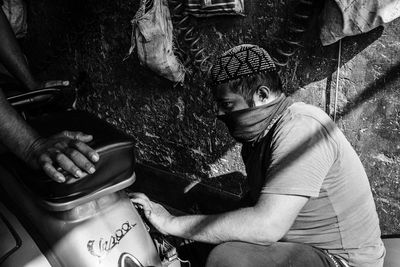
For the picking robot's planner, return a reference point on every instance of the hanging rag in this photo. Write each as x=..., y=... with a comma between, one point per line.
x=152, y=37
x=343, y=18
x=209, y=8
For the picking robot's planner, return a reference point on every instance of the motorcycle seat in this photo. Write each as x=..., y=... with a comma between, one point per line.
x=114, y=170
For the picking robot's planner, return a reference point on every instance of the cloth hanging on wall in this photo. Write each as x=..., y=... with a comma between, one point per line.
x=209, y=8
x=153, y=40
x=343, y=18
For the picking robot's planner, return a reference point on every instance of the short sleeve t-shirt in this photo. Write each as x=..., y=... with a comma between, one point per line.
x=305, y=154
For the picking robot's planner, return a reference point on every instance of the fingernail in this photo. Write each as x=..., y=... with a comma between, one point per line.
x=92, y=170
x=79, y=173
x=66, y=83
x=147, y=213
x=60, y=178
x=95, y=157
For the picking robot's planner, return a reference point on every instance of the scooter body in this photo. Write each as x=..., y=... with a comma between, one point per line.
x=107, y=231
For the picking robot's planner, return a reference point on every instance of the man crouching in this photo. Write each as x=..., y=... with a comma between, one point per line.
x=312, y=202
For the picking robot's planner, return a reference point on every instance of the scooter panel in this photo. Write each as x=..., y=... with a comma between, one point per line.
x=115, y=236
x=17, y=248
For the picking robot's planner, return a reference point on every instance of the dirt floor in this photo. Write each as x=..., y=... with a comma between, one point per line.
x=175, y=126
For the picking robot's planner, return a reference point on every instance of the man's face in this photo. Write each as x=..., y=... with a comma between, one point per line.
x=228, y=101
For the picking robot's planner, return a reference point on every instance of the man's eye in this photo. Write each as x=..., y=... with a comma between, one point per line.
x=226, y=105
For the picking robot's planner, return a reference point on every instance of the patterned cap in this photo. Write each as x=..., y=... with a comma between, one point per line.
x=240, y=61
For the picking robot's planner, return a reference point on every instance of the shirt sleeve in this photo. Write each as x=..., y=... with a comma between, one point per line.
x=302, y=154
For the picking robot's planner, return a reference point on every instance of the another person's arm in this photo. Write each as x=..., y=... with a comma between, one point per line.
x=14, y=61
x=12, y=57
x=66, y=150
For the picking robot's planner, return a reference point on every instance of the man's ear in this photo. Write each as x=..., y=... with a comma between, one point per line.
x=263, y=93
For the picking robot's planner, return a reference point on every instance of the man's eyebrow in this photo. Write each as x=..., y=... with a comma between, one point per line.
x=224, y=98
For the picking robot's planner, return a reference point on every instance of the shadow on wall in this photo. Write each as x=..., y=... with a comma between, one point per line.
x=316, y=62
x=391, y=76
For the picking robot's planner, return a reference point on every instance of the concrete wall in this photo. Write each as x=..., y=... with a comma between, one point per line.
x=175, y=127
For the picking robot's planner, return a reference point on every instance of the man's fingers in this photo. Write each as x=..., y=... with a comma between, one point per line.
x=78, y=140
x=78, y=136
x=83, y=137
x=80, y=160
x=140, y=195
x=142, y=200
x=56, y=83
x=64, y=162
x=86, y=150
x=145, y=204
x=50, y=171
x=61, y=146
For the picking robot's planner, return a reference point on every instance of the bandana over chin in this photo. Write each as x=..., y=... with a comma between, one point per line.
x=249, y=125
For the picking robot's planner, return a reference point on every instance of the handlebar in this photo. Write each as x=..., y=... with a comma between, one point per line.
x=33, y=97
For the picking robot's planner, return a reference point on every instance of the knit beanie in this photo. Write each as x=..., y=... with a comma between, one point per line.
x=240, y=61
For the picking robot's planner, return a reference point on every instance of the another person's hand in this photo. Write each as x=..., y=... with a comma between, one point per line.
x=63, y=153
x=51, y=84
x=157, y=215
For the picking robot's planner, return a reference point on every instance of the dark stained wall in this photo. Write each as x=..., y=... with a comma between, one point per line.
x=175, y=127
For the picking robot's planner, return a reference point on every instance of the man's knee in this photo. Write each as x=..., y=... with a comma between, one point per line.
x=228, y=254
x=275, y=254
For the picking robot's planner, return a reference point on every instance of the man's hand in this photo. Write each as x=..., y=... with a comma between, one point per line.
x=157, y=215
x=64, y=151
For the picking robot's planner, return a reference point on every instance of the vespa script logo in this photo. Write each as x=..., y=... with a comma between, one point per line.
x=100, y=248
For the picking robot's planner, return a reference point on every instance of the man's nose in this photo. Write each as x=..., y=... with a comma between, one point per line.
x=220, y=112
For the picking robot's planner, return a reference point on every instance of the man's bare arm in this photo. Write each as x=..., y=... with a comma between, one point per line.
x=15, y=133
x=12, y=57
x=268, y=221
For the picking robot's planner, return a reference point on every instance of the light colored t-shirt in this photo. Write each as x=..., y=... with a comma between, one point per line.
x=306, y=154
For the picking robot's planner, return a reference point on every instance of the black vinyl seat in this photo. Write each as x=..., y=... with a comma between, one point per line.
x=114, y=170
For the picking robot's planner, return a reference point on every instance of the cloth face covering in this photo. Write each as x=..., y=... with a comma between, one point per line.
x=249, y=125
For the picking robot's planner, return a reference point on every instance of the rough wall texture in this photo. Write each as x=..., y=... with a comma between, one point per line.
x=176, y=129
